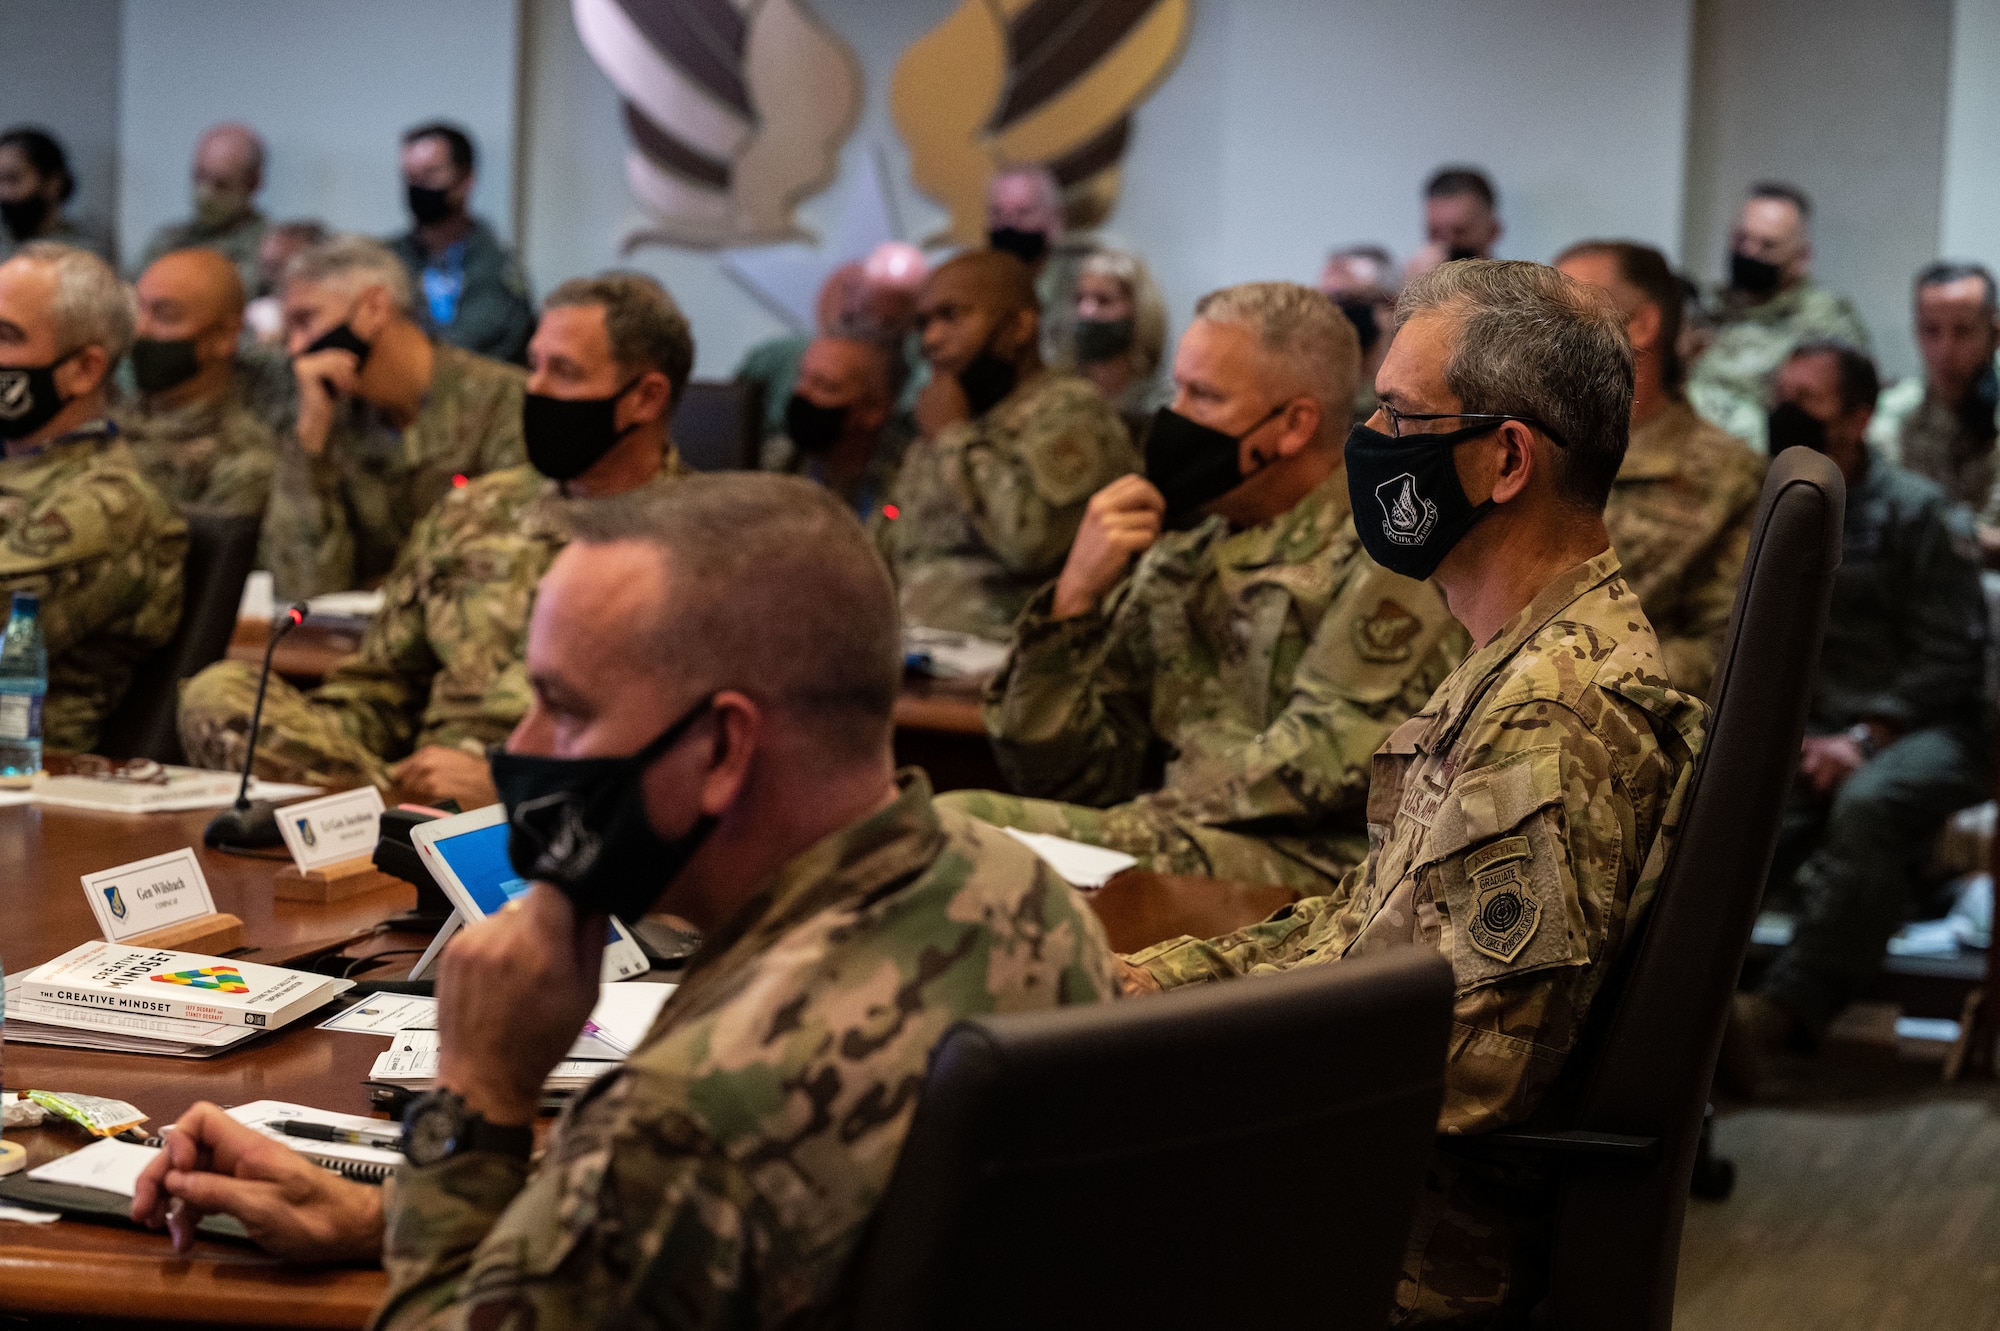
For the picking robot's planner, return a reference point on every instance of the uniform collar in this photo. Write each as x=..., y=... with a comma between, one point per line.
x=1454, y=699
x=881, y=852
x=1293, y=537
x=89, y=433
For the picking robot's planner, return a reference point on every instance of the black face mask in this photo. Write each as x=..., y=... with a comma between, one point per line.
x=159, y=364
x=580, y=825
x=986, y=380
x=811, y=427
x=1102, y=339
x=23, y=218
x=1027, y=246
x=1976, y=413
x=1361, y=313
x=1791, y=426
x=1457, y=252
x=340, y=337
x=29, y=398
x=566, y=436
x=429, y=206
x=1192, y=464
x=1409, y=508
x=1753, y=277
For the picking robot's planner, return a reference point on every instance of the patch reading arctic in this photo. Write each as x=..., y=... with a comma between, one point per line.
x=1385, y=634
x=1504, y=911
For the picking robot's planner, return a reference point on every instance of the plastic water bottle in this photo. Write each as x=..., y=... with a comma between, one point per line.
x=24, y=682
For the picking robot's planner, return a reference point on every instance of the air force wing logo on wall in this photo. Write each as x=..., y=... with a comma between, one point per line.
x=15, y=398
x=736, y=110
x=1407, y=517
x=1031, y=82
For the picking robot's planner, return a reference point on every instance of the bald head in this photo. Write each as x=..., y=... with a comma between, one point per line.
x=230, y=157
x=196, y=296
x=995, y=282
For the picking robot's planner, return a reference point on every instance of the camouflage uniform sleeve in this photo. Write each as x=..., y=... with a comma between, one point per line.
x=1291, y=937
x=308, y=541
x=1025, y=497
x=240, y=483
x=79, y=555
x=1712, y=577
x=1382, y=649
x=1067, y=712
x=382, y=688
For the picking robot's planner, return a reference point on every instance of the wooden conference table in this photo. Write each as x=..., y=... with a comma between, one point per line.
x=94, y=1270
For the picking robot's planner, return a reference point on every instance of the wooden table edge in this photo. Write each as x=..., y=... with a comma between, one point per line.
x=203, y=1288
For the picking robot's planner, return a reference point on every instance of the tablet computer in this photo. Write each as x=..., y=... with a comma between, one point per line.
x=467, y=854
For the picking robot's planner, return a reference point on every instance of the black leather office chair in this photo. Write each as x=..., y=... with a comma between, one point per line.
x=1641, y=1076
x=719, y=424
x=1234, y=1155
x=220, y=554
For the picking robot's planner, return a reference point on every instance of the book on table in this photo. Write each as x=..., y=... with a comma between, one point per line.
x=114, y=996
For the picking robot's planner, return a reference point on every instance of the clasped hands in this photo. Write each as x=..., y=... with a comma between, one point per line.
x=513, y=992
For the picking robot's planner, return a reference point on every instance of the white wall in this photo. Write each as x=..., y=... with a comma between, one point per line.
x=59, y=70
x=1970, y=227
x=330, y=86
x=1286, y=130
x=1845, y=98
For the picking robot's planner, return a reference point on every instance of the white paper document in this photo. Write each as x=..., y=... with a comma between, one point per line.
x=108, y=1165
x=385, y=1014
x=1078, y=864
x=27, y=1217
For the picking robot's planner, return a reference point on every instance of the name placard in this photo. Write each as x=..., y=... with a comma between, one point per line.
x=150, y=894
x=332, y=828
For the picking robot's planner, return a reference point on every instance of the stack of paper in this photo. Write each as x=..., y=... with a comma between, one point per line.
x=623, y=1015
x=138, y=1000
x=184, y=789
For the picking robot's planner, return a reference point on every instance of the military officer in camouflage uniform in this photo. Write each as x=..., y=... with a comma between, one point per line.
x=1942, y=424
x=1261, y=654
x=737, y=636
x=1680, y=510
x=79, y=525
x=195, y=440
x=990, y=495
x=438, y=676
x=841, y=427
x=1520, y=822
x=228, y=172
x=388, y=420
x=1899, y=732
x=1770, y=306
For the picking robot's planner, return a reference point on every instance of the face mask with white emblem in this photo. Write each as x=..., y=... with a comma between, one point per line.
x=1409, y=508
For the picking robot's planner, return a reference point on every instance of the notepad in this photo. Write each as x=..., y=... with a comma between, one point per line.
x=108, y=1166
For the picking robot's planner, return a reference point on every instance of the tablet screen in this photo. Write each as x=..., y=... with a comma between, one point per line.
x=479, y=859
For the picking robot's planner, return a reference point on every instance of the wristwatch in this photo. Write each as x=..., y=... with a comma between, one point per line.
x=438, y=1126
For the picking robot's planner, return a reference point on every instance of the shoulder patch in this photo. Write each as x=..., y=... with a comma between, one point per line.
x=1504, y=911
x=42, y=537
x=1386, y=633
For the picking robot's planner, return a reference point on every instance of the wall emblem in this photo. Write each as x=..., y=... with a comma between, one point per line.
x=736, y=110
x=1049, y=82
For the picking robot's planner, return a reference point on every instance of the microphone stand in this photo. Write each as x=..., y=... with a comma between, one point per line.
x=253, y=824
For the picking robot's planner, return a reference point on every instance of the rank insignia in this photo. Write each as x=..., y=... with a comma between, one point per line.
x=1504, y=910
x=1385, y=634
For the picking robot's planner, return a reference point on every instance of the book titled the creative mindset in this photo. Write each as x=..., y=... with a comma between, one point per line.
x=117, y=977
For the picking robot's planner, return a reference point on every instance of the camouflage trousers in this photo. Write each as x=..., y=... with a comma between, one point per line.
x=301, y=740
x=1163, y=842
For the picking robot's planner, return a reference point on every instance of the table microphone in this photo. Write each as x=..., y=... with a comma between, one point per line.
x=253, y=824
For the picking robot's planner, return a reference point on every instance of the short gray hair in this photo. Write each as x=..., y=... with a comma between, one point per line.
x=353, y=263
x=1303, y=329
x=91, y=306
x=647, y=329
x=775, y=591
x=1531, y=342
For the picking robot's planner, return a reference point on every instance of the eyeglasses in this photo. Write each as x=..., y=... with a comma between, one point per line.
x=1396, y=419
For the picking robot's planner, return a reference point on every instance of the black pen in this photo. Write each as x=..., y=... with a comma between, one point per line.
x=326, y=1132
